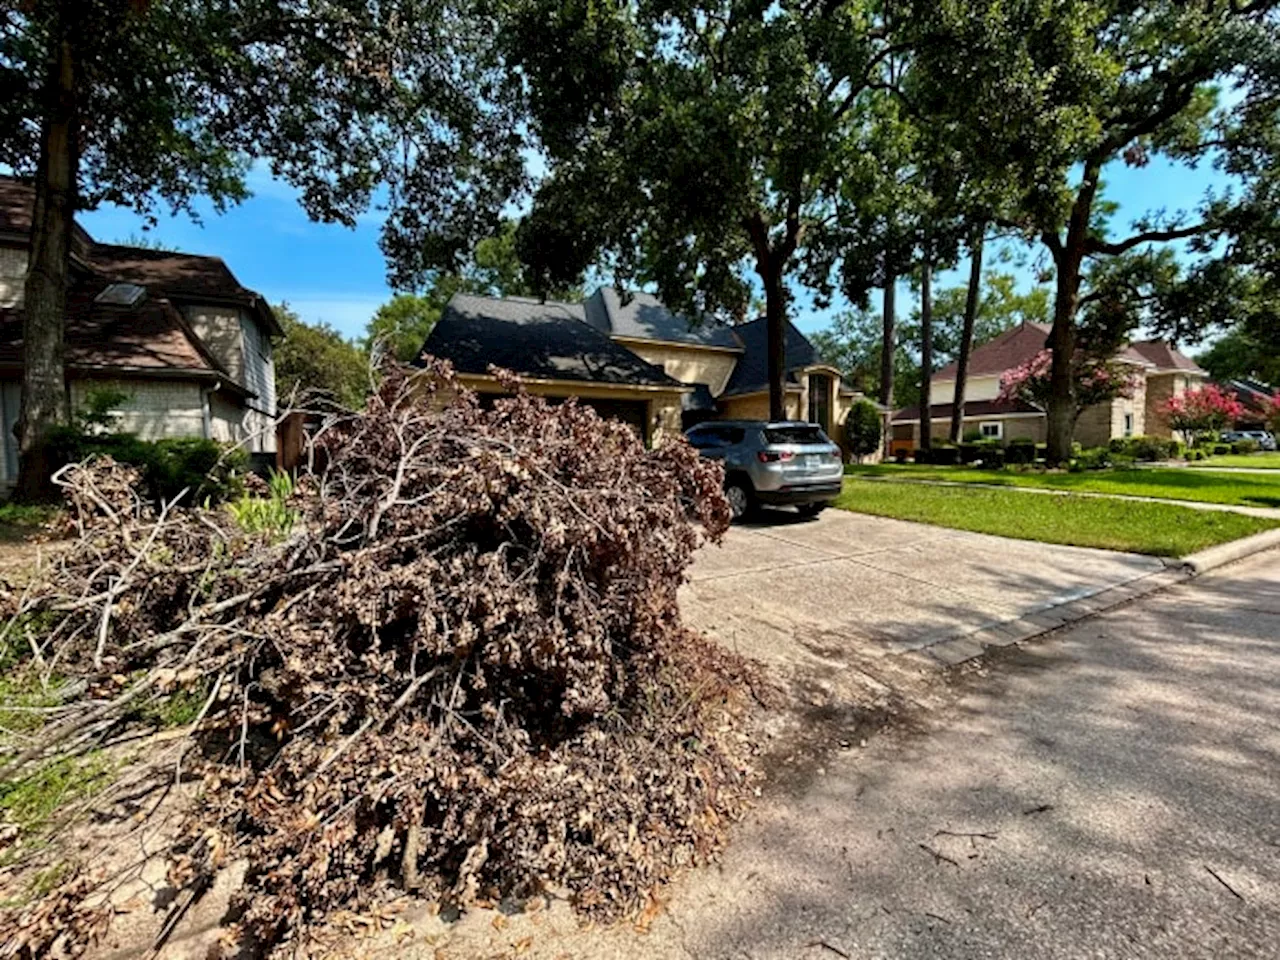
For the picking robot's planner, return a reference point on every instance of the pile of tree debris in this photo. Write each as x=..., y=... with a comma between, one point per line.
x=456, y=666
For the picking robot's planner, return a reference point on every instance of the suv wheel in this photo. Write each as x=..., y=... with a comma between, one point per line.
x=740, y=499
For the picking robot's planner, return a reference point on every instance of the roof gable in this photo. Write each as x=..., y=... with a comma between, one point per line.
x=548, y=341
x=644, y=317
x=149, y=337
x=166, y=273
x=1165, y=356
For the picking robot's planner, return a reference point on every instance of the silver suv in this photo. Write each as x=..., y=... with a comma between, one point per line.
x=785, y=462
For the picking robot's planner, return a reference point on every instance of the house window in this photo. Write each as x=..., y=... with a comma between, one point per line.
x=1128, y=424
x=992, y=429
x=820, y=400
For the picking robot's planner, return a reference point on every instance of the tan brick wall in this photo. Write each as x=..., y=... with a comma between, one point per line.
x=756, y=407
x=1095, y=425
x=1160, y=388
x=13, y=274
x=154, y=409
x=1026, y=428
x=1015, y=428
x=688, y=364
x=664, y=417
x=219, y=328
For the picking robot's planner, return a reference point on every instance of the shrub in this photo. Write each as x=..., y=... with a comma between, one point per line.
x=1245, y=446
x=1221, y=450
x=205, y=469
x=972, y=436
x=1146, y=448
x=1020, y=451
x=992, y=457
x=266, y=511
x=1207, y=410
x=862, y=429
x=900, y=456
x=1095, y=458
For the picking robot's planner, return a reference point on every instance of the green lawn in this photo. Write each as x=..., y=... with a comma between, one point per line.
x=1160, y=529
x=1239, y=489
x=1259, y=461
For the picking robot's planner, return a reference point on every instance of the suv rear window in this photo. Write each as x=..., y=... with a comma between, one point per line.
x=801, y=433
x=710, y=437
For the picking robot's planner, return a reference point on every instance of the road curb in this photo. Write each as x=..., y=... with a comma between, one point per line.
x=1214, y=557
x=972, y=645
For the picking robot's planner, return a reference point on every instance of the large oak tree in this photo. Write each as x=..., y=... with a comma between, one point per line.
x=695, y=143
x=152, y=104
x=1067, y=88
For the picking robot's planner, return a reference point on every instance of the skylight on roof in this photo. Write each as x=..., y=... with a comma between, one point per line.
x=121, y=295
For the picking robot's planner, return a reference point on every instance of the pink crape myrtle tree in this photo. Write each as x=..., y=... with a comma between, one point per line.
x=1202, y=413
x=1093, y=381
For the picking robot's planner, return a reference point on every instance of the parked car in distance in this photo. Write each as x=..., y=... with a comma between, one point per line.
x=775, y=463
x=1264, y=440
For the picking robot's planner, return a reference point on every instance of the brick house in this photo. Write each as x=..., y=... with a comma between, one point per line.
x=1162, y=370
x=633, y=359
x=175, y=333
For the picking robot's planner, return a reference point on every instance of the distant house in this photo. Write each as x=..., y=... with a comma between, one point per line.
x=176, y=333
x=634, y=360
x=1163, y=372
x=1256, y=398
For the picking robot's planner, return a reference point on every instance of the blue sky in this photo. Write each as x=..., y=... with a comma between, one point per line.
x=338, y=275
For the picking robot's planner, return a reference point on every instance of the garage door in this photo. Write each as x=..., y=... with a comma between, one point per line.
x=634, y=413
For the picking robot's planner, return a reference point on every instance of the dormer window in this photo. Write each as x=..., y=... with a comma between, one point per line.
x=121, y=295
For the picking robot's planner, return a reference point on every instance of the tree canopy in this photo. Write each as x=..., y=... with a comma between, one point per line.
x=1237, y=355
x=853, y=340
x=151, y=104
x=1068, y=87
x=316, y=358
x=494, y=269
x=689, y=146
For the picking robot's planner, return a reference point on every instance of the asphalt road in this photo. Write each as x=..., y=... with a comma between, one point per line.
x=1113, y=791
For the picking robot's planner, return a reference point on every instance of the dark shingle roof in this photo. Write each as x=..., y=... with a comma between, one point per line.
x=1008, y=350
x=150, y=337
x=165, y=273
x=183, y=274
x=17, y=198
x=752, y=371
x=550, y=341
x=1165, y=355
x=644, y=317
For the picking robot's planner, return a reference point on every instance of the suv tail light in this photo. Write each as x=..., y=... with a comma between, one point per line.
x=764, y=456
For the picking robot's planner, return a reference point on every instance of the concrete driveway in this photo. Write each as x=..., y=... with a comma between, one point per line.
x=813, y=593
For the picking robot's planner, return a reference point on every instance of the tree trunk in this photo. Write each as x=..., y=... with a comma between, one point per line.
x=966, y=333
x=888, y=348
x=1068, y=257
x=44, y=388
x=1062, y=341
x=776, y=328
x=926, y=355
